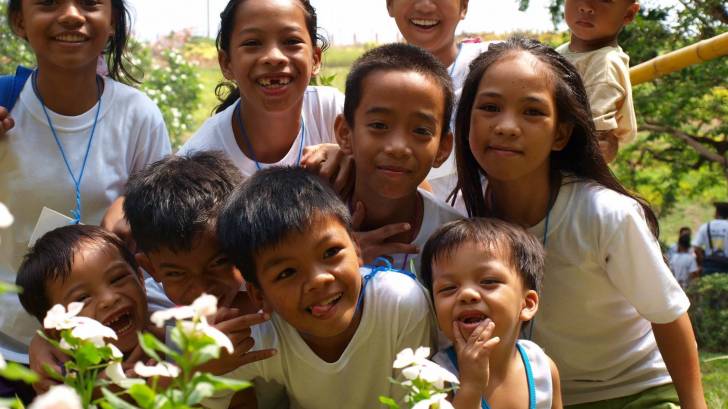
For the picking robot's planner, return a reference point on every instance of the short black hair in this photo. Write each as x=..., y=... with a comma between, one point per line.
x=523, y=251
x=51, y=259
x=721, y=209
x=172, y=200
x=397, y=57
x=269, y=206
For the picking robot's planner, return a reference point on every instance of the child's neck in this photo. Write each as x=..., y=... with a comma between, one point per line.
x=381, y=211
x=507, y=380
x=270, y=134
x=579, y=45
x=523, y=202
x=68, y=92
x=447, y=55
x=330, y=349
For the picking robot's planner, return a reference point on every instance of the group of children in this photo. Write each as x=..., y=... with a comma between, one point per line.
x=551, y=237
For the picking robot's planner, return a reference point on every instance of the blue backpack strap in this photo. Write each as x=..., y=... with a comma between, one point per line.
x=12, y=85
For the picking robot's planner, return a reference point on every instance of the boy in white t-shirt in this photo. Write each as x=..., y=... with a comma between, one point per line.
x=484, y=276
x=395, y=126
x=431, y=25
x=711, y=241
x=290, y=236
x=603, y=66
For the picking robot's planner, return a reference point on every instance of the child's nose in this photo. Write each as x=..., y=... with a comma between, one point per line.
x=468, y=295
x=586, y=7
x=425, y=6
x=108, y=299
x=71, y=14
x=507, y=126
x=398, y=145
x=318, y=278
x=274, y=56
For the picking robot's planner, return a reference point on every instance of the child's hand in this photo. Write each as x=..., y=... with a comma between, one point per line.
x=608, y=144
x=6, y=122
x=329, y=162
x=237, y=328
x=374, y=243
x=42, y=353
x=474, y=355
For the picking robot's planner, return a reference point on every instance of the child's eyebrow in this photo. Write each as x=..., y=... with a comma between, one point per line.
x=424, y=115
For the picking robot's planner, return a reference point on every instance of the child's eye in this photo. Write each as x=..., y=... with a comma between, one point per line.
x=250, y=43
x=174, y=274
x=424, y=131
x=331, y=252
x=446, y=289
x=489, y=282
x=90, y=3
x=489, y=108
x=119, y=278
x=80, y=297
x=285, y=274
x=294, y=41
x=379, y=126
x=534, y=112
x=221, y=261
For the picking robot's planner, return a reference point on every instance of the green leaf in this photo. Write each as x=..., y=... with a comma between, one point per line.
x=9, y=288
x=220, y=383
x=150, y=344
x=388, y=402
x=17, y=372
x=143, y=395
x=52, y=372
x=199, y=392
x=87, y=355
x=11, y=403
x=115, y=402
x=205, y=353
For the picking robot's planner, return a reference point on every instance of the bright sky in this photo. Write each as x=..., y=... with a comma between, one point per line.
x=341, y=19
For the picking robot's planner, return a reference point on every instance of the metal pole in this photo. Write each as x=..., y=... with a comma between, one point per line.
x=208, y=18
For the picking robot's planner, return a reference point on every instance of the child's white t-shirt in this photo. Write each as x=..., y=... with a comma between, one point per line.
x=320, y=107
x=129, y=135
x=718, y=235
x=435, y=213
x=396, y=316
x=540, y=370
x=605, y=281
x=682, y=265
x=444, y=178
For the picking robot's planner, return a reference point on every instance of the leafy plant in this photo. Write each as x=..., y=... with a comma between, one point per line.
x=709, y=311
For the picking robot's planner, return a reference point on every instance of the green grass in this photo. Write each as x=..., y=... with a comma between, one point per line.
x=715, y=379
x=209, y=78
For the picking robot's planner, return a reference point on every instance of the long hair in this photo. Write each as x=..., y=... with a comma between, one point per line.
x=226, y=91
x=581, y=156
x=116, y=48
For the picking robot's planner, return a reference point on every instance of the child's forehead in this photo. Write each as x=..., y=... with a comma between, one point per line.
x=478, y=255
x=397, y=81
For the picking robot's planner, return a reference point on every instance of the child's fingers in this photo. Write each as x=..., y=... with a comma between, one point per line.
x=491, y=343
x=345, y=175
x=224, y=314
x=460, y=341
x=255, y=356
x=242, y=323
x=478, y=333
x=7, y=124
x=385, y=232
x=394, y=248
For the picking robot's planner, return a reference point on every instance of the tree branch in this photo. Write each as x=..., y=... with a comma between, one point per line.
x=692, y=141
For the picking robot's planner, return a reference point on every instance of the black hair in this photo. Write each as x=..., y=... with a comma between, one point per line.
x=120, y=66
x=268, y=207
x=498, y=238
x=51, y=259
x=683, y=241
x=227, y=92
x=171, y=201
x=721, y=210
x=581, y=156
x=397, y=57
x=685, y=229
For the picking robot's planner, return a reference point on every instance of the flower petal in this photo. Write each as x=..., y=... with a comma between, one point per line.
x=178, y=313
x=220, y=338
x=57, y=397
x=404, y=358
x=6, y=218
x=204, y=305
x=161, y=369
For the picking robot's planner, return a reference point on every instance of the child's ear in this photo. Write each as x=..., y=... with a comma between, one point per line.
x=258, y=298
x=17, y=24
x=563, y=135
x=632, y=11
x=224, y=60
x=530, y=305
x=444, y=150
x=463, y=9
x=343, y=134
x=316, y=61
x=145, y=263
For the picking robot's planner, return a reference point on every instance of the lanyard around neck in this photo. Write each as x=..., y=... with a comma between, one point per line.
x=76, y=212
x=244, y=133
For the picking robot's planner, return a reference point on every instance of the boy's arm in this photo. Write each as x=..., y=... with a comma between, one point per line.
x=474, y=361
x=679, y=350
x=556, y=402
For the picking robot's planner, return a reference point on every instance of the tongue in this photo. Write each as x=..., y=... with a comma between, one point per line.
x=319, y=310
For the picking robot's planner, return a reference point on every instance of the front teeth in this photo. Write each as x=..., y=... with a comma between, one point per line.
x=274, y=82
x=424, y=23
x=329, y=301
x=71, y=38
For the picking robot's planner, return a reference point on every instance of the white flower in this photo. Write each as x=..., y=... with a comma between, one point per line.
x=92, y=330
x=57, y=397
x=6, y=219
x=160, y=369
x=221, y=340
x=58, y=318
x=115, y=352
x=407, y=357
x=115, y=372
x=436, y=401
x=203, y=306
x=430, y=372
x=3, y=364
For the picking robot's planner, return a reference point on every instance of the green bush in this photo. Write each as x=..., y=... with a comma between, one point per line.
x=709, y=311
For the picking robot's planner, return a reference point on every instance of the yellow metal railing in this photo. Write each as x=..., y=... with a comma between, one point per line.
x=697, y=53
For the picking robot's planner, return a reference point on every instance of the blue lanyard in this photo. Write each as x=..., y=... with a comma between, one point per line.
x=76, y=212
x=526, y=364
x=302, y=132
x=454, y=63
x=385, y=266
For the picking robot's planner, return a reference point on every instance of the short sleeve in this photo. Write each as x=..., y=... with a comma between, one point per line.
x=701, y=237
x=637, y=268
x=605, y=99
x=153, y=146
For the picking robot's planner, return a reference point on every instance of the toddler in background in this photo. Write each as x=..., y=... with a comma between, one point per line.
x=603, y=66
x=484, y=276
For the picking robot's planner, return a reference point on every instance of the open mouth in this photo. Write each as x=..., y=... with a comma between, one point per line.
x=325, y=306
x=70, y=38
x=393, y=169
x=121, y=322
x=472, y=318
x=273, y=82
x=424, y=23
